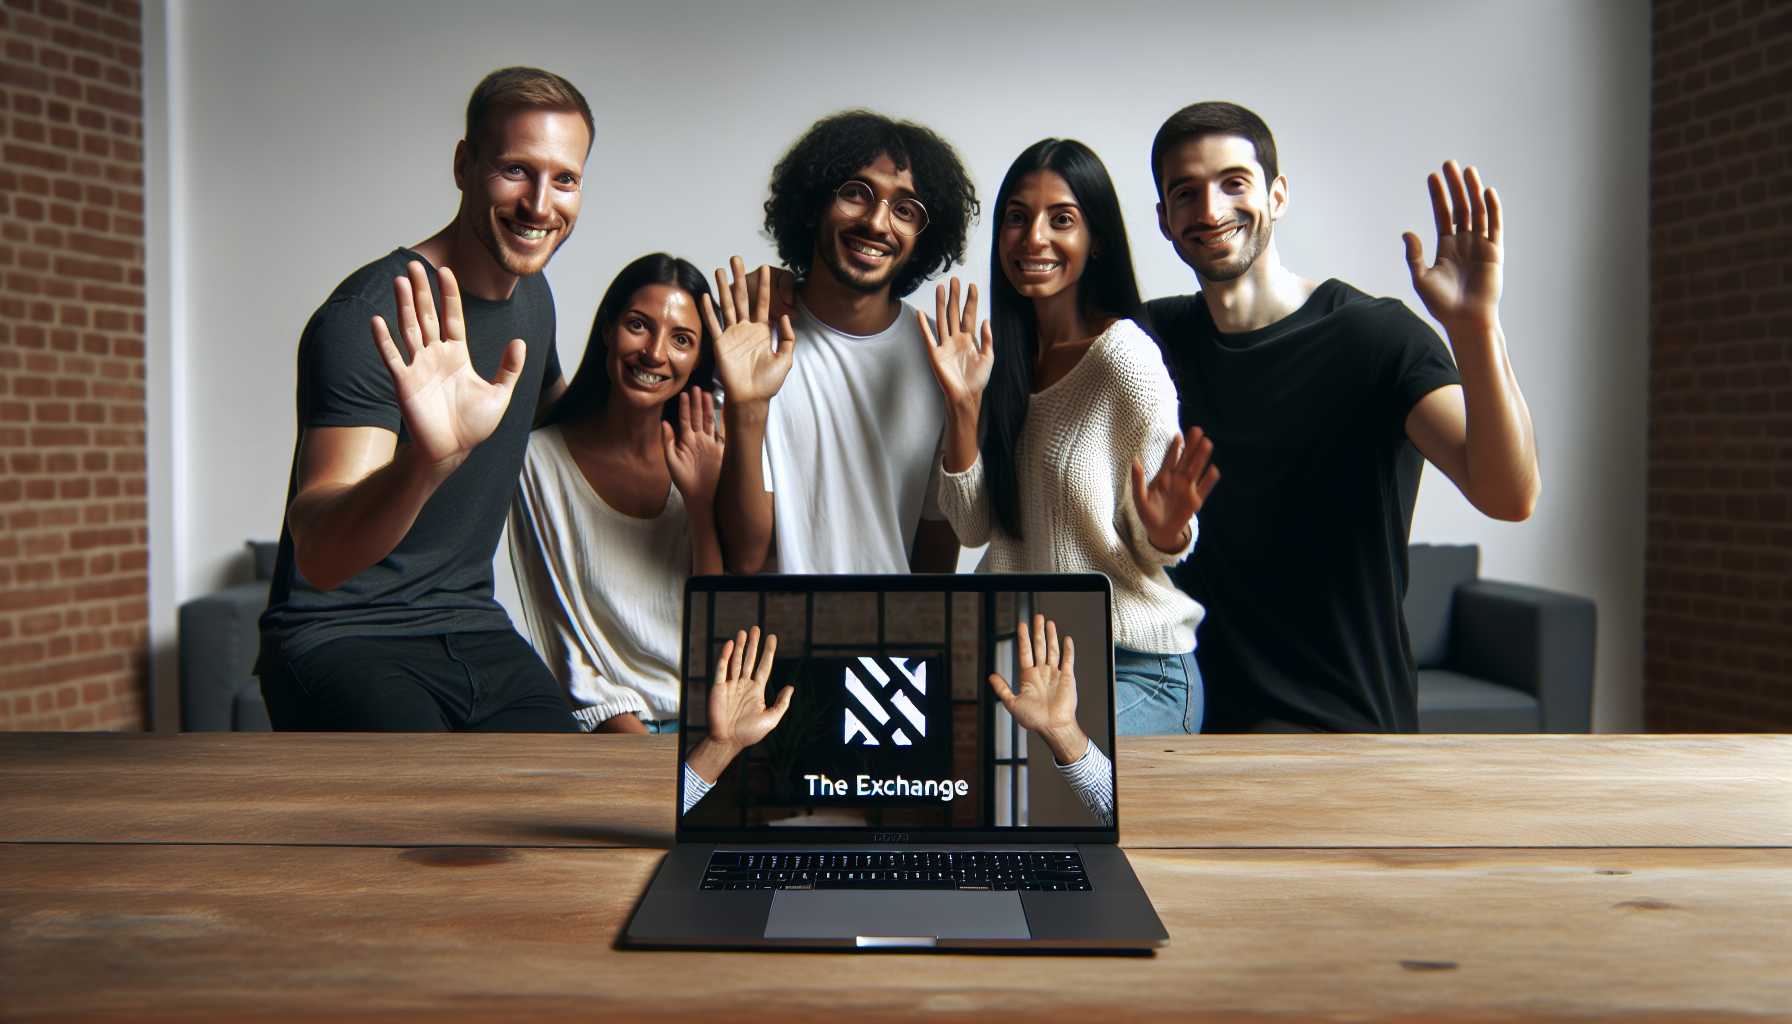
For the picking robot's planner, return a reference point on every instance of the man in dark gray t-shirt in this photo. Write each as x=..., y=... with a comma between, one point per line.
x=413, y=419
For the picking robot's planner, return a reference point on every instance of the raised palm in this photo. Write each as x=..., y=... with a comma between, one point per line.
x=694, y=451
x=960, y=364
x=1181, y=486
x=447, y=407
x=1045, y=699
x=738, y=714
x=751, y=358
x=1462, y=287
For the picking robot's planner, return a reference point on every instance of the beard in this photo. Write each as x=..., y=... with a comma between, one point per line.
x=852, y=278
x=1229, y=268
x=515, y=263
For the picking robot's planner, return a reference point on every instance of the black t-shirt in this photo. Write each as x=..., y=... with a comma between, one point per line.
x=439, y=578
x=1301, y=563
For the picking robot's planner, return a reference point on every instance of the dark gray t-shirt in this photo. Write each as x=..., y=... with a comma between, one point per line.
x=439, y=577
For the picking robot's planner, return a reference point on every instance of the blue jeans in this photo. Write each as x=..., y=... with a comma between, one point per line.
x=663, y=726
x=1156, y=694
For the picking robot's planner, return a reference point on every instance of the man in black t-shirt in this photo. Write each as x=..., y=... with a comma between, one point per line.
x=1321, y=402
x=381, y=614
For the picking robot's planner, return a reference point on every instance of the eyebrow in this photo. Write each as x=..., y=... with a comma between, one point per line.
x=1174, y=183
x=898, y=193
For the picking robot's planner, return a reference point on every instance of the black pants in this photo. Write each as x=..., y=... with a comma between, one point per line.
x=485, y=682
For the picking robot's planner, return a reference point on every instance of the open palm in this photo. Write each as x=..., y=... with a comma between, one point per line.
x=960, y=364
x=448, y=408
x=694, y=451
x=1045, y=698
x=751, y=358
x=738, y=714
x=1181, y=486
x=1462, y=287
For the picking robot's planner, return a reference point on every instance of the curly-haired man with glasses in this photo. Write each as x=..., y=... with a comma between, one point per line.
x=833, y=434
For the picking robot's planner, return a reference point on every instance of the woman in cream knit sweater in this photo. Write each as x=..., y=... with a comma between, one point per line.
x=1053, y=416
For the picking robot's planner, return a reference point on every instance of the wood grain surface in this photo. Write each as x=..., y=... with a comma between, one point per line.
x=1207, y=792
x=485, y=934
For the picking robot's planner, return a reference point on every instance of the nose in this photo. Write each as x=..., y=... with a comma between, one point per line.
x=655, y=352
x=878, y=216
x=1207, y=204
x=537, y=198
x=1038, y=233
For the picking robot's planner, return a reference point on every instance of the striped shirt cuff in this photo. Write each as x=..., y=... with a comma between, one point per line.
x=695, y=788
x=1092, y=777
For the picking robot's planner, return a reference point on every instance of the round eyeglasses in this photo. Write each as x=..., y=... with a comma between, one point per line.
x=907, y=215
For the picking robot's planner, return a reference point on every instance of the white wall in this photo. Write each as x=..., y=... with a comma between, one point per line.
x=314, y=137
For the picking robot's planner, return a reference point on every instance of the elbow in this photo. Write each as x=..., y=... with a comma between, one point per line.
x=319, y=576
x=1514, y=506
x=309, y=562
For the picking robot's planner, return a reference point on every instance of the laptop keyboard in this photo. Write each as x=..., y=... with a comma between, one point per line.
x=1056, y=871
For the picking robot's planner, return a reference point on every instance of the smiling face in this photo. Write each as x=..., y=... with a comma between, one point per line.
x=653, y=346
x=1216, y=206
x=1043, y=238
x=863, y=250
x=520, y=189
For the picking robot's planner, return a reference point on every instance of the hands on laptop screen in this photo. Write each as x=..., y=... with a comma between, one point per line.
x=898, y=709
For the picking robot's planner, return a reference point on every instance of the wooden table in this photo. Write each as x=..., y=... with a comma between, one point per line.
x=487, y=877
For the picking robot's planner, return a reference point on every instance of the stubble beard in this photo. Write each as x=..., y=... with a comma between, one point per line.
x=1240, y=264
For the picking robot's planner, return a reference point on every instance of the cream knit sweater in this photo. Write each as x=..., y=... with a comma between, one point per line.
x=1076, y=509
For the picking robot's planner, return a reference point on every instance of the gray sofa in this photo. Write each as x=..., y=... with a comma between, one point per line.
x=1496, y=657
x=1492, y=657
x=219, y=638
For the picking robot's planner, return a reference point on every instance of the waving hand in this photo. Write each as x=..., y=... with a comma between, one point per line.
x=1462, y=287
x=750, y=368
x=960, y=364
x=448, y=408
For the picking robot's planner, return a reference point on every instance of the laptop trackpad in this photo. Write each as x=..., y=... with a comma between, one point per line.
x=896, y=915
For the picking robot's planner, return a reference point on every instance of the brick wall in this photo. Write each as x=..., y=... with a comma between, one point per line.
x=74, y=586
x=1718, y=599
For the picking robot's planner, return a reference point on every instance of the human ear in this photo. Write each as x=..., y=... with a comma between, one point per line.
x=1278, y=197
x=463, y=159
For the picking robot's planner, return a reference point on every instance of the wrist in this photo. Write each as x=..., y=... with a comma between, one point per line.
x=1169, y=544
x=1068, y=743
x=1469, y=327
x=745, y=411
x=418, y=467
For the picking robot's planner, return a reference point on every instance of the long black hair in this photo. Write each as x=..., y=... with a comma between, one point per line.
x=589, y=391
x=1107, y=288
x=834, y=149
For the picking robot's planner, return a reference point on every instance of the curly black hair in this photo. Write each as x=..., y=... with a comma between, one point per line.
x=837, y=147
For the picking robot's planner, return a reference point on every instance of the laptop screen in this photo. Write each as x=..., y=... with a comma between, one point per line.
x=877, y=713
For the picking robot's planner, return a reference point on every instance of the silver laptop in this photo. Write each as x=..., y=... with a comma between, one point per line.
x=896, y=803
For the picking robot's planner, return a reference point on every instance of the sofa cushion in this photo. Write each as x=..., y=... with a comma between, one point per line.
x=1452, y=702
x=1434, y=572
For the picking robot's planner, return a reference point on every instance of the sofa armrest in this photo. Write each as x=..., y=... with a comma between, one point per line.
x=1531, y=639
x=219, y=637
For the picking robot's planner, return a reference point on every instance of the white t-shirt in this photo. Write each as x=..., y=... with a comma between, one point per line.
x=851, y=447
x=602, y=592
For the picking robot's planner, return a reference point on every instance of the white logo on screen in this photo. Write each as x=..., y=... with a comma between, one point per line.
x=884, y=707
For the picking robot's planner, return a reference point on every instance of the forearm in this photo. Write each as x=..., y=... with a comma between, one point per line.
x=1067, y=743
x=710, y=758
x=961, y=436
x=340, y=530
x=706, y=546
x=743, y=505
x=1501, y=456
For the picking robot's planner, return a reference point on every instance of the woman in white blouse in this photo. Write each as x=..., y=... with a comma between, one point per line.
x=1053, y=416
x=616, y=507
